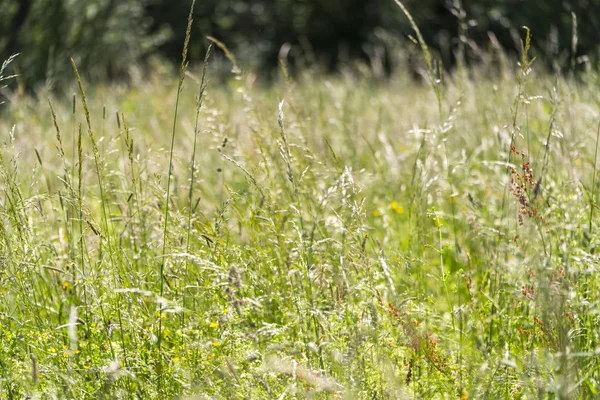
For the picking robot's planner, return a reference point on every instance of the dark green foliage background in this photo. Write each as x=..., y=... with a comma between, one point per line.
x=107, y=36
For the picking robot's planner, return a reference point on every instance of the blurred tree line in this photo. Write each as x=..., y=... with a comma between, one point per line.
x=107, y=37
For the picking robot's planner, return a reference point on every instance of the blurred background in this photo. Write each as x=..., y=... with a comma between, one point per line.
x=108, y=37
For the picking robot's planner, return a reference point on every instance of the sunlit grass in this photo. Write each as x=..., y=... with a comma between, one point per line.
x=343, y=236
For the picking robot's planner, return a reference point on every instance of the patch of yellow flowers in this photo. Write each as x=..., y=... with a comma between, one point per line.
x=394, y=206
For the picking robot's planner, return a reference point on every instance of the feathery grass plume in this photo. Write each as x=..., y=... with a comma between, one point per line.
x=5, y=64
x=168, y=191
x=128, y=145
x=58, y=137
x=247, y=173
x=3, y=78
x=285, y=148
x=525, y=62
x=236, y=69
x=85, y=106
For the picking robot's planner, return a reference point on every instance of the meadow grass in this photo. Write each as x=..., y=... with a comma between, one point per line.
x=325, y=236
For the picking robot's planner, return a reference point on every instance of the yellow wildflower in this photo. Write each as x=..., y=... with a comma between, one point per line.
x=397, y=207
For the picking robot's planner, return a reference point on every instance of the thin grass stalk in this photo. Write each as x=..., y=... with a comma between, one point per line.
x=286, y=154
x=98, y=165
x=80, y=212
x=102, y=152
x=574, y=41
x=134, y=194
x=593, y=199
x=521, y=83
x=191, y=207
x=182, y=70
x=97, y=162
x=103, y=201
x=196, y=128
x=434, y=76
x=74, y=144
x=69, y=223
x=454, y=227
x=73, y=136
